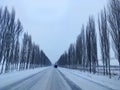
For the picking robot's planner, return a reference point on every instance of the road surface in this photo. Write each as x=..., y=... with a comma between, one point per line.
x=55, y=79
x=49, y=79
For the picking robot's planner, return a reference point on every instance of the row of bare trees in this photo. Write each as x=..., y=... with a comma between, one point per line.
x=86, y=48
x=13, y=55
x=31, y=56
x=83, y=54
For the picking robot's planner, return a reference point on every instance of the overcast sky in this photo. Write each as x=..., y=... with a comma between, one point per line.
x=54, y=24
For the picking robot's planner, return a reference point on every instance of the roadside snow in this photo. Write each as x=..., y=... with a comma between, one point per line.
x=88, y=81
x=10, y=78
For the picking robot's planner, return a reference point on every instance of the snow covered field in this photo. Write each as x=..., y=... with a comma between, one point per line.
x=87, y=81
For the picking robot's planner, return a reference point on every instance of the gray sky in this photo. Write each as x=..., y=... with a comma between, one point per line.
x=54, y=24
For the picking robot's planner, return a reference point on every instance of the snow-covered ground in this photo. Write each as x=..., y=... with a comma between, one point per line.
x=13, y=77
x=87, y=81
x=49, y=78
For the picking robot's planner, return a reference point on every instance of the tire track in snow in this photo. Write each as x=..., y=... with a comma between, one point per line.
x=70, y=83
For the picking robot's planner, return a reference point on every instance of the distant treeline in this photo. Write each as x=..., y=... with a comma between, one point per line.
x=13, y=55
x=84, y=52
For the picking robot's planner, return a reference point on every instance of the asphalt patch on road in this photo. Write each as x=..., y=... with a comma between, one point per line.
x=70, y=83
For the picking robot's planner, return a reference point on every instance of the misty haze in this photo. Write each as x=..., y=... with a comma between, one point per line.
x=59, y=44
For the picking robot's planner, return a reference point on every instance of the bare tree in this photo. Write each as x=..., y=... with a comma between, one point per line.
x=79, y=52
x=83, y=49
x=105, y=45
x=71, y=52
x=91, y=42
x=114, y=22
x=88, y=45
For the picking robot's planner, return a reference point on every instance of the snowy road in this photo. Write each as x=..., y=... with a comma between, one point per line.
x=48, y=79
x=58, y=79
